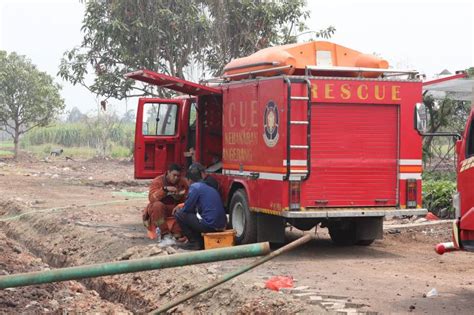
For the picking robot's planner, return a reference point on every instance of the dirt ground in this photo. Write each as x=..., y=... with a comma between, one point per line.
x=67, y=213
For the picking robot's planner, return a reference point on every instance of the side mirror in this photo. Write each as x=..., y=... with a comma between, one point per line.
x=421, y=118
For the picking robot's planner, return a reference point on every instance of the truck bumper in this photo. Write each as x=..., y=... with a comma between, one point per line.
x=356, y=212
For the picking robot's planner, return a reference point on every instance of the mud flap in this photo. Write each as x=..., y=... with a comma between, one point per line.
x=369, y=228
x=270, y=228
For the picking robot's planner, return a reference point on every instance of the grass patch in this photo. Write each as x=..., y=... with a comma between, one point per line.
x=44, y=150
x=6, y=144
x=4, y=153
x=119, y=151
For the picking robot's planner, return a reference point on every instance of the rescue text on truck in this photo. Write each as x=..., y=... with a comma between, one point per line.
x=301, y=134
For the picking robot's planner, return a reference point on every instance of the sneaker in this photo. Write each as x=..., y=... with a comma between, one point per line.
x=183, y=239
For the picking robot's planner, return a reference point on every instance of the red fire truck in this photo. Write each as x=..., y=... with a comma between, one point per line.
x=296, y=135
x=460, y=87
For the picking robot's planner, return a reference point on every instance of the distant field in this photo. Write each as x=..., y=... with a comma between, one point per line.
x=44, y=150
x=6, y=144
x=4, y=149
x=4, y=153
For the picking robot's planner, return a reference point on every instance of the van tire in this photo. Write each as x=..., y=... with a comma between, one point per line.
x=242, y=220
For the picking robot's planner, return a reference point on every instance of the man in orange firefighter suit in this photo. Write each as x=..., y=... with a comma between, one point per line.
x=166, y=191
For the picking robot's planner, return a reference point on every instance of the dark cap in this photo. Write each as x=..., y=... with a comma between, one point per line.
x=197, y=166
x=194, y=174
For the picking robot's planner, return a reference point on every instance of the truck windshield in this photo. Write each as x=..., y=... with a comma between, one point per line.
x=159, y=119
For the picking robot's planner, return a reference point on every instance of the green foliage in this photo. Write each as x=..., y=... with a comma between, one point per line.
x=168, y=35
x=444, y=115
x=239, y=28
x=437, y=196
x=119, y=143
x=439, y=175
x=28, y=97
x=470, y=72
x=118, y=151
x=123, y=36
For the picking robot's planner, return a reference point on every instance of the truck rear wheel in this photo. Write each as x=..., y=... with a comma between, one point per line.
x=243, y=221
x=365, y=242
x=343, y=233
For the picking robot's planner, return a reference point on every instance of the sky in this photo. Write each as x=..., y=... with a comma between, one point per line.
x=428, y=36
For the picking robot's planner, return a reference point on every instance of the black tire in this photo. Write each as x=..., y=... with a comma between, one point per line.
x=365, y=242
x=243, y=221
x=343, y=233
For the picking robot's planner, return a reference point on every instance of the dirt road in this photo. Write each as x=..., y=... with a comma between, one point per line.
x=82, y=212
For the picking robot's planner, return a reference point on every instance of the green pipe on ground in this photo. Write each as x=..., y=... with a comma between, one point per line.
x=119, y=267
x=300, y=241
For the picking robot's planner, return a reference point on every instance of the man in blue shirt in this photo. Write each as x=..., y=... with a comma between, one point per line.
x=206, y=178
x=204, y=200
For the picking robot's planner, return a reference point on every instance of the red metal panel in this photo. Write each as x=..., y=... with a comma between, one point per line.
x=354, y=152
x=245, y=146
x=172, y=83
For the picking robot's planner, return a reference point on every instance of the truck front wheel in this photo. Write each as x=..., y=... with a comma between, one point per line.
x=243, y=221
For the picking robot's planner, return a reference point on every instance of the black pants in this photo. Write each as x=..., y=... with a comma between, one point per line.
x=191, y=226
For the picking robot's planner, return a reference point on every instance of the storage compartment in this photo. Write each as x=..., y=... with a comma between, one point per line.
x=219, y=239
x=354, y=152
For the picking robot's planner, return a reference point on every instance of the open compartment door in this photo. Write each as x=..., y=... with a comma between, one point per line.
x=172, y=83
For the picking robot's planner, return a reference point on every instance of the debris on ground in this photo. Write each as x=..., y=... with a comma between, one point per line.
x=389, y=276
x=278, y=282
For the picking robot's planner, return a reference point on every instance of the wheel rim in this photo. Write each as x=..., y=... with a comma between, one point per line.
x=238, y=219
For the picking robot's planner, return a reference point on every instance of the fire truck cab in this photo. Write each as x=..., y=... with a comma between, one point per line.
x=460, y=87
x=300, y=135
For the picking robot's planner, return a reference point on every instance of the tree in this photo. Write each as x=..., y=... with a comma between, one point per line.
x=169, y=35
x=75, y=115
x=102, y=127
x=28, y=97
x=129, y=117
x=240, y=28
x=122, y=36
x=445, y=113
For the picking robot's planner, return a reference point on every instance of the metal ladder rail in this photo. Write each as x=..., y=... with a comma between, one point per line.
x=306, y=146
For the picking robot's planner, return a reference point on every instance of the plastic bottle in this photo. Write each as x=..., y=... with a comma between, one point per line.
x=158, y=234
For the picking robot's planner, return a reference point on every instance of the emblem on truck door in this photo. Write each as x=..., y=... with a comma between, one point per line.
x=270, y=124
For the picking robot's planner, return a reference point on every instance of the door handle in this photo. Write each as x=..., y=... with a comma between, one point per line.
x=254, y=175
x=321, y=202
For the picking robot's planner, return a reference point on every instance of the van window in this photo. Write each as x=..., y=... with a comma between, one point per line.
x=470, y=140
x=159, y=119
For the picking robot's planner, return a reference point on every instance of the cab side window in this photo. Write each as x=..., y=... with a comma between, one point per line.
x=470, y=140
